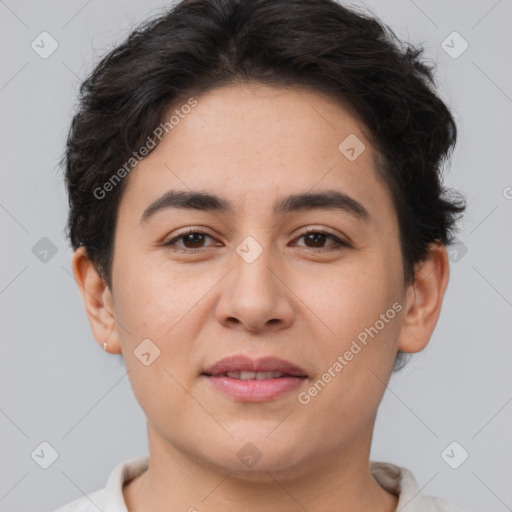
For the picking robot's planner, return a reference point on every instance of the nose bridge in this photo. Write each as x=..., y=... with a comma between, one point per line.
x=252, y=294
x=253, y=262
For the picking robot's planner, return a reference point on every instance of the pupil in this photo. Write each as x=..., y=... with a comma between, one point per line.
x=316, y=236
x=189, y=238
x=196, y=239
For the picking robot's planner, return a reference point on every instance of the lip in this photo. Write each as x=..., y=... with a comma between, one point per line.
x=254, y=390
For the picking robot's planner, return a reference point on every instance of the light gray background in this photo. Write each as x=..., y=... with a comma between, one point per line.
x=58, y=386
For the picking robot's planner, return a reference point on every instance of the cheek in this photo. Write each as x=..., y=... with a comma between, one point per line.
x=157, y=301
x=153, y=303
x=149, y=295
x=359, y=307
x=350, y=298
x=355, y=360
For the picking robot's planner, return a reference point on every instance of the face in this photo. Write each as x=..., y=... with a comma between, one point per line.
x=314, y=281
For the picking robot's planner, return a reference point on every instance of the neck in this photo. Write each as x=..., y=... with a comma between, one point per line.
x=336, y=481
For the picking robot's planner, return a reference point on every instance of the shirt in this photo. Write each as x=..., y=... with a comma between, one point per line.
x=399, y=481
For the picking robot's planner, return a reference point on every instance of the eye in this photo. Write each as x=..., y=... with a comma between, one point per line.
x=192, y=239
x=319, y=237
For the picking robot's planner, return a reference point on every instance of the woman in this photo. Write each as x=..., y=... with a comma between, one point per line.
x=260, y=230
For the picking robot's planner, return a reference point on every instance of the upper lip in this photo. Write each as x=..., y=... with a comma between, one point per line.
x=242, y=363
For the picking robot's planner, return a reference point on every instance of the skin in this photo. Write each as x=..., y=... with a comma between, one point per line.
x=254, y=144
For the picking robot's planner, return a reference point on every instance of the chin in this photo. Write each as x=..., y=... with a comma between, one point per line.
x=252, y=457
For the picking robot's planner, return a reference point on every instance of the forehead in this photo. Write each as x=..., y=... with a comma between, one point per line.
x=252, y=143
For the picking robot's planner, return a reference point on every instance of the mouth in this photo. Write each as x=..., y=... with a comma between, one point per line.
x=254, y=380
x=244, y=375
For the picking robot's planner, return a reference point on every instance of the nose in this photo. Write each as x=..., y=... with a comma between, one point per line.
x=254, y=295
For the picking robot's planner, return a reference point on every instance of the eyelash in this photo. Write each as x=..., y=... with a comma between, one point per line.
x=340, y=243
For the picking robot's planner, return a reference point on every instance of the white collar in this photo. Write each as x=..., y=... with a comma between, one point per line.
x=395, y=479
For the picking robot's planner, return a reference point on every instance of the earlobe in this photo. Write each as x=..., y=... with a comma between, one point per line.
x=97, y=300
x=424, y=299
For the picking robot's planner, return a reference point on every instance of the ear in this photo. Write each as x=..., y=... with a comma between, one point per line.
x=97, y=301
x=423, y=300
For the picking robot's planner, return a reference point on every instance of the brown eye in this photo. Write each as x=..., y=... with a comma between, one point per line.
x=316, y=240
x=191, y=240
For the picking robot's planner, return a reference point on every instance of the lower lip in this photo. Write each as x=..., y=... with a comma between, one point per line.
x=256, y=390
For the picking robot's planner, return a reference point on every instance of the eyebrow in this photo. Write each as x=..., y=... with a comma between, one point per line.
x=192, y=200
